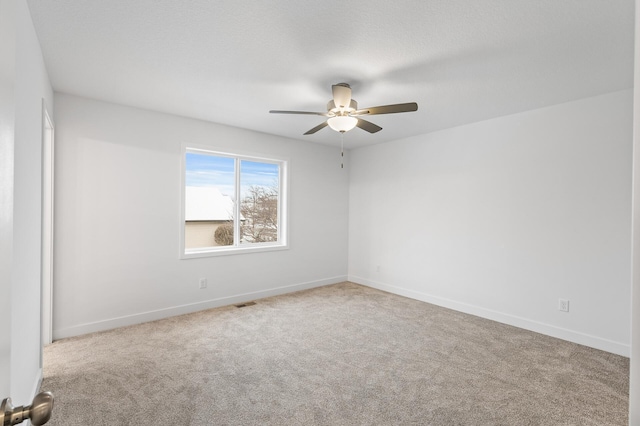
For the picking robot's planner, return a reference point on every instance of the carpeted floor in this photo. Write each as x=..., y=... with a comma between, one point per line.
x=337, y=355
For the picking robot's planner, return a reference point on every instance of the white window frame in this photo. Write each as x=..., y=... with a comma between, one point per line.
x=236, y=248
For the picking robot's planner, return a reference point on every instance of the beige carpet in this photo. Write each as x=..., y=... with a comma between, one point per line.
x=337, y=355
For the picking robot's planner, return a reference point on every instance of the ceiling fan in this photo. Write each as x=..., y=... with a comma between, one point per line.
x=343, y=113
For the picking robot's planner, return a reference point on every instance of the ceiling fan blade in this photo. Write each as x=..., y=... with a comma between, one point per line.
x=273, y=111
x=318, y=127
x=341, y=95
x=387, y=109
x=368, y=126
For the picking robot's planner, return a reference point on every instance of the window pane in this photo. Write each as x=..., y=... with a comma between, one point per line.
x=209, y=200
x=259, y=192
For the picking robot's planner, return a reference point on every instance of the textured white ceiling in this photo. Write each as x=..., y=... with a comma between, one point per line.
x=231, y=61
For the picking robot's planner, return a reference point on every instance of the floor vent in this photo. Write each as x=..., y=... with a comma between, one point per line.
x=242, y=305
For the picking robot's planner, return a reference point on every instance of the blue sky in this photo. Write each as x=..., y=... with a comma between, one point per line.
x=210, y=170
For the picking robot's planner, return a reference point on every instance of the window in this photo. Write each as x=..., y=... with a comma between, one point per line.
x=232, y=203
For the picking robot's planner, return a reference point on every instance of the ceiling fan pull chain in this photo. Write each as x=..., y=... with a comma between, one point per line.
x=342, y=150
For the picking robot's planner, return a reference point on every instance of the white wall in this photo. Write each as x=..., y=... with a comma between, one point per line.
x=634, y=388
x=32, y=85
x=7, y=144
x=23, y=85
x=119, y=167
x=502, y=218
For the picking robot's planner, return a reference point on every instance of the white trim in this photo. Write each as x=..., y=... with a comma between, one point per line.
x=527, y=324
x=237, y=217
x=228, y=250
x=36, y=387
x=47, y=227
x=127, y=320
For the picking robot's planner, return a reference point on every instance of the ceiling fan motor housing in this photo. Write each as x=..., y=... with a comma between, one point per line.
x=336, y=111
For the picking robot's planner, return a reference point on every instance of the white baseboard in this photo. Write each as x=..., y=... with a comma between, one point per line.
x=527, y=324
x=142, y=317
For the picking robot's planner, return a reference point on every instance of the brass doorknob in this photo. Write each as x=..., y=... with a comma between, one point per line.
x=39, y=412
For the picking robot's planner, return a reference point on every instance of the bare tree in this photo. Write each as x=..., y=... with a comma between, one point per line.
x=259, y=210
x=223, y=235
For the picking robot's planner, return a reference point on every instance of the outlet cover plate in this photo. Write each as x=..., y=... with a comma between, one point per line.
x=563, y=305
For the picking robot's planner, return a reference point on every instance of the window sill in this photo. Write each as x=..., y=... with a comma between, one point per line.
x=226, y=251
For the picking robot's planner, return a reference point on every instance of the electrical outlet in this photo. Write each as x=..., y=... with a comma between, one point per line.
x=563, y=305
x=203, y=283
x=378, y=268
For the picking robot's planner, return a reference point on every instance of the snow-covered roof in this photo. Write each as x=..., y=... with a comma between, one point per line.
x=206, y=203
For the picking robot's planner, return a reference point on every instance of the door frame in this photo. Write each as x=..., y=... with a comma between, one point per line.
x=46, y=296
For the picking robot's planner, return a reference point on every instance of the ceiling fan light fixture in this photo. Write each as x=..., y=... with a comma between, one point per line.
x=342, y=123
